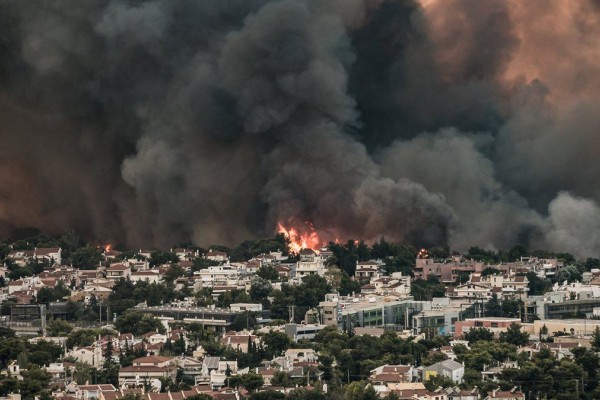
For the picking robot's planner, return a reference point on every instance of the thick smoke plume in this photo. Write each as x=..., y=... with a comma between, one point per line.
x=454, y=122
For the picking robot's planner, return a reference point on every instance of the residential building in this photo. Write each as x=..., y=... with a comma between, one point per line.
x=447, y=369
x=494, y=324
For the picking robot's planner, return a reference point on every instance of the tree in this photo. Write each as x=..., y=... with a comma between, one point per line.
x=493, y=307
x=138, y=323
x=82, y=373
x=427, y=289
x=6, y=333
x=513, y=335
x=58, y=327
x=477, y=334
x=268, y=273
x=34, y=381
x=260, y=288
x=158, y=257
x=537, y=285
x=305, y=394
x=596, y=339
x=436, y=381
x=252, y=381
x=281, y=378
x=267, y=395
x=275, y=343
x=175, y=271
x=86, y=258
x=81, y=338
x=490, y=271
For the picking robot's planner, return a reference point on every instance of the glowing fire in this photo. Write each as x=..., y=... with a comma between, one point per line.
x=301, y=237
x=423, y=254
x=107, y=247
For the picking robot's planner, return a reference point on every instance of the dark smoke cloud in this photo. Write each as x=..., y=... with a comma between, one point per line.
x=152, y=122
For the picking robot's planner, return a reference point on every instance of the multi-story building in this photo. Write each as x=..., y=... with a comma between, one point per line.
x=447, y=271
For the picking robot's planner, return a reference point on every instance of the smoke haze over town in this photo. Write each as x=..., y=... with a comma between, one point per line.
x=437, y=122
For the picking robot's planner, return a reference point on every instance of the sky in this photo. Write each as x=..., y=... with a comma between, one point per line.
x=456, y=122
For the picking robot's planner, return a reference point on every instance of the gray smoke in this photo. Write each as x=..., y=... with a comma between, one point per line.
x=152, y=123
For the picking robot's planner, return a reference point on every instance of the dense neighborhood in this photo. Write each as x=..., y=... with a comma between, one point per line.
x=82, y=320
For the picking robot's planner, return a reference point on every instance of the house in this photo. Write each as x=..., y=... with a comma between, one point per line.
x=190, y=367
x=150, y=276
x=118, y=271
x=387, y=374
x=215, y=255
x=472, y=291
x=88, y=392
x=493, y=373
x=57, y=370
x=513, y=394
x=303, y=331
x=447, y=368
x=20, y=257
x=284, y=271
x=185, y=254
x=494, y=324
x=309, y=264
x=144, y=369
x=91, y=355
x=240, y=342
x=51, y=254
x=267, y=374
x=456, y=393
x=366, y=270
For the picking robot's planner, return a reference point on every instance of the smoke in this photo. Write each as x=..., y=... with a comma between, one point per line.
x=444, y=122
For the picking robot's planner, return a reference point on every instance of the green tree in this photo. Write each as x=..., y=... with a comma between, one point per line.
x=275, y=343
x=81, y=338
x=260, y=288
x=252, y=381
x=138, y=323
x=58, y=327
x=267, y=395
x=426, y=290
x=82, y=373
x=493, y=307
x=34, y=381
x=86, y=258
x=305, y=394
x=6, y=333
x=513, y=335
x=158, y=257
x=476, y=334
x=175, y=271
x=281, y=378
x=596, y=339
x=268, y=273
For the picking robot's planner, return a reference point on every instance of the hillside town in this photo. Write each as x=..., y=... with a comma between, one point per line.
x=342, y=321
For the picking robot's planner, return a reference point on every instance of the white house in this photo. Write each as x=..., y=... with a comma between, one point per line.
x=447, y=368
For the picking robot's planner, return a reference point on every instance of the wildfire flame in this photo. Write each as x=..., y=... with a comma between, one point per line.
x=107, y=247
x=423, y=254
x=300, y=238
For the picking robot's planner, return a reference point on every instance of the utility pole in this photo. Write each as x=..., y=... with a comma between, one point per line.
x=577, y=386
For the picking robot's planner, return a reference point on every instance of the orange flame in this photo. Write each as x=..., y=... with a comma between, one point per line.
x=301, y=237
x=107, y=247
x=423, y=254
